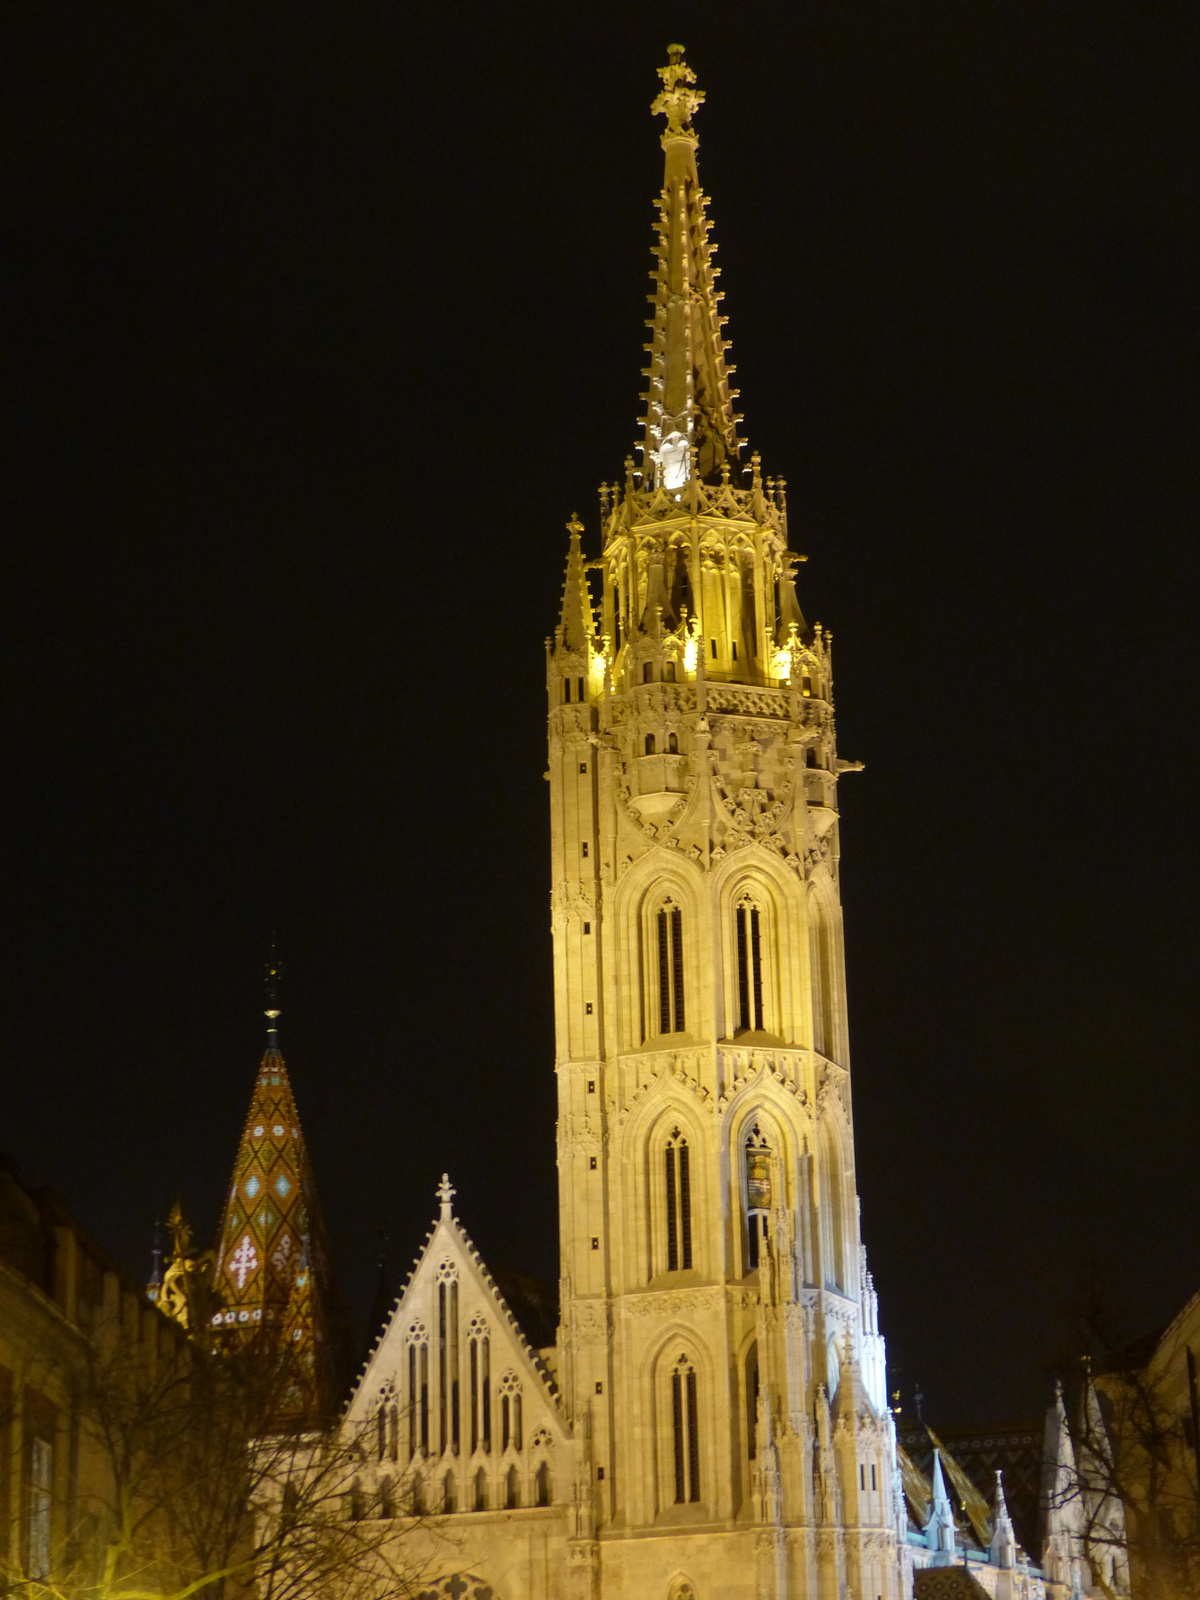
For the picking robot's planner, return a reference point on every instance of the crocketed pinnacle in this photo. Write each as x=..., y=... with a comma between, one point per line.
x=577, y=623
x=689, y=404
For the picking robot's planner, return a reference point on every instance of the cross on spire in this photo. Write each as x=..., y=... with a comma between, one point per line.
x=272, y=976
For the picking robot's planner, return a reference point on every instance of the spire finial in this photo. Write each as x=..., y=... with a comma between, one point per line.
x=678, y=97
x=272, y=976
x=445, y=1193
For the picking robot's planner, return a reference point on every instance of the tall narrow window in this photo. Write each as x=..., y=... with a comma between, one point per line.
x=752, y=1402
x=672, y=1017
x=679, y=1203
x=672, y=744
x=758, y=1195
x=41, y=1490
x=481, y=1490
x=749, y=960
x=418, y=1391
x=512, y=1491
x=477, y=1360
x=423, y=1356
x=685, y=1428
x=510, y=1412
x=449, y=1396
x=650, y=744
x=541, y=1485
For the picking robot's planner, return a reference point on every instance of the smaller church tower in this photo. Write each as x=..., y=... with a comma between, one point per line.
x=271, y=1274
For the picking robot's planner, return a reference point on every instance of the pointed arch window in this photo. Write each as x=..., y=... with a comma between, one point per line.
x=541, y=1485
x=678, y=1196
x=510, y=1413
x=672, y=1014
x=512, y=1490
x=418, y=1391
x=749, y=929
x=650, y=744
x=757, y=1164
x=479, y=1363
x=449, y=1404
x=685, y=1432
x=481, y=1490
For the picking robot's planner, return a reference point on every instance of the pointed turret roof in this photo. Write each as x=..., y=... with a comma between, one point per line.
x=689, y=403
x=271, y=1270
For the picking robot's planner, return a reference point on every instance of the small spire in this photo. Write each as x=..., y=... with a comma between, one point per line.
x=445, y=1193
x=1003, y=1548
x=939, y=1535
x=578, y=622
x=273, y=975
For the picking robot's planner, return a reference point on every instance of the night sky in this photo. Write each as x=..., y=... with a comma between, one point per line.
x=317, y=324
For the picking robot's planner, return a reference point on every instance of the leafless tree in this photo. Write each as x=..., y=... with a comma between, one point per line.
x=213, y=1474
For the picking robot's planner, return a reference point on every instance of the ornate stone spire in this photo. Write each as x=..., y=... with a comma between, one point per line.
x=690, y=420
x=271, y=1269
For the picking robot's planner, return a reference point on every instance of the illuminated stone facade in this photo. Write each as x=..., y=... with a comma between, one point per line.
x=712, y=1419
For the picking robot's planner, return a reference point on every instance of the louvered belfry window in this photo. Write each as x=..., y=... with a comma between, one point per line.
x=750, y=973
x=679, y=1203
x=672, y=1017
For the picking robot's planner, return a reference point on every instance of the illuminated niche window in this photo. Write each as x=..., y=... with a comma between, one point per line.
x=685, y=1432
x=678, y=1208
x=418, y=1391
x=749, y=929
x=757, y=1166
x=672, y=1017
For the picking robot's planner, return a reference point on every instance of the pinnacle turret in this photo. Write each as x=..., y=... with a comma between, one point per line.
x=576, y=623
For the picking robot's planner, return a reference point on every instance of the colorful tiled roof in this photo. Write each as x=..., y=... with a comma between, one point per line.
x=271, y=1265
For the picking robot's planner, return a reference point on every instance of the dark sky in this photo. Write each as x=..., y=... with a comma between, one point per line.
x=318, y=322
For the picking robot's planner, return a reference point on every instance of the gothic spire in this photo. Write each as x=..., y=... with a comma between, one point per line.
x=689, y=405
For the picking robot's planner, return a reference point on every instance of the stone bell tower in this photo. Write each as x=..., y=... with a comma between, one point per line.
x=719, y=1351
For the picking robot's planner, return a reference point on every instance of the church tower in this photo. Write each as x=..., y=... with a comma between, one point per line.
x=719, y=1354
